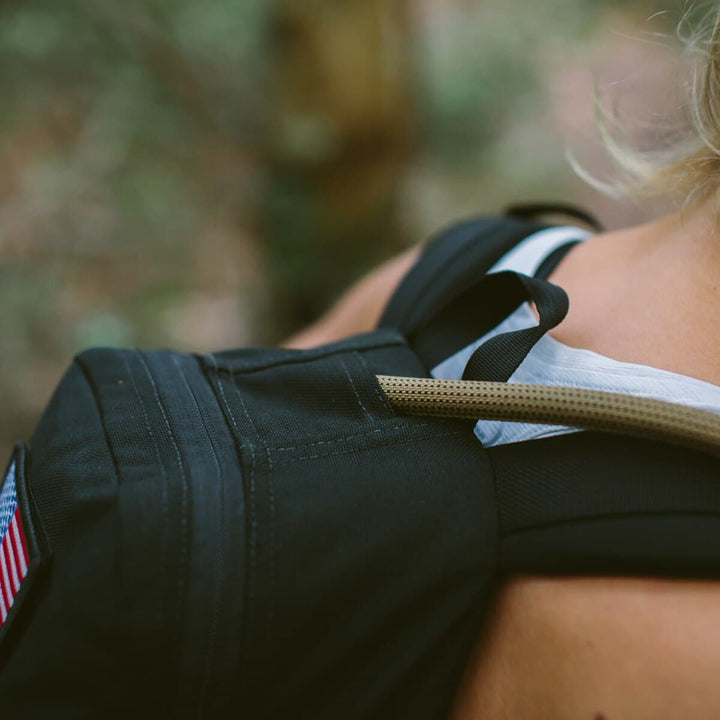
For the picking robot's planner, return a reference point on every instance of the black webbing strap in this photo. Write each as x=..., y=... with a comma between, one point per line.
x=446, y=303
x=498, y=358
x=479, y=309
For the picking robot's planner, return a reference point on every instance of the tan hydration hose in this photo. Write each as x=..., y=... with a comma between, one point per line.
x=546, y=404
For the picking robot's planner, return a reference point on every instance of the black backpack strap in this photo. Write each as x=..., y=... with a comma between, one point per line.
x=446, y=302
x=500, y=356
x=476, y=311
x=599, y=503
x=451, y=263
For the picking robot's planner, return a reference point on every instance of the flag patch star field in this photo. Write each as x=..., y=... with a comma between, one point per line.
x=14, y=556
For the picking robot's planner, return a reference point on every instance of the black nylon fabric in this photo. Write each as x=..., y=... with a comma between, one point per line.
x=596, y=503
x=219, y=545
x=347, y=555
x=63, y=635
x=257, y=533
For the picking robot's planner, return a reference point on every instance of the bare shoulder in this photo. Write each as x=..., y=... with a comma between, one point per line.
x=596, y=648
x=361, y=307
x=647, y=295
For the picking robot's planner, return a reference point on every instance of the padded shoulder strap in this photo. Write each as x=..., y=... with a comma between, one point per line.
x=598, y=503
x=459, y=256
x=451, y=263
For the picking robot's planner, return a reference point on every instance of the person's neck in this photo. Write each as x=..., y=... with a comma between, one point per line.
x=690, y=236
x=648, y=294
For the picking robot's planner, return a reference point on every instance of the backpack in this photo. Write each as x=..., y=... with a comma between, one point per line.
x=261, y=532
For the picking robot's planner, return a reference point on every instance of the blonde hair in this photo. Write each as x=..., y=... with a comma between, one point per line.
x=688, y=165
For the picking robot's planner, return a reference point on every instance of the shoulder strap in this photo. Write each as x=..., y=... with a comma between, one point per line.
x=452, y=263
x=441, y=307
x=455, y=258
x=474, y=312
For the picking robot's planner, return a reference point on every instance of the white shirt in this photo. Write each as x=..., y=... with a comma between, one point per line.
x=552, y=363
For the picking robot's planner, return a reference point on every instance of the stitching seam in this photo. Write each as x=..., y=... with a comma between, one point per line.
x=252, y=530
x=183, y=558
x=211, y=654
x=351, y=450
x=307, y=356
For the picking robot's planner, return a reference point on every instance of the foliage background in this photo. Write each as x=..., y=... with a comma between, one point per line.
x=138, y=182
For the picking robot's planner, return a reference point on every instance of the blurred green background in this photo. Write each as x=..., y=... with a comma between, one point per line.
x=200, y=174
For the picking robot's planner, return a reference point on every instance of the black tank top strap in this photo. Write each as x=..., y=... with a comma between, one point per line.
x=548, y=265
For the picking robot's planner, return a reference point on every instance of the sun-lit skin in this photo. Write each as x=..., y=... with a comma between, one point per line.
x=591, y=648
x=360, y=307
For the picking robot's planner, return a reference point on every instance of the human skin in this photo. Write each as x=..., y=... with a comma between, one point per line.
x=360, y=308
x=597, y=648
x=602, y=648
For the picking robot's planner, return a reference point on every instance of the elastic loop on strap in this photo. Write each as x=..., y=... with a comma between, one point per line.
x=500, y=356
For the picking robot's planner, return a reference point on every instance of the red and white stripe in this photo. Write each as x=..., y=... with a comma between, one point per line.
x=14, y=561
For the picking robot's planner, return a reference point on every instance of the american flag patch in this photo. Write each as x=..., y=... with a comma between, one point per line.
x=14, y=555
